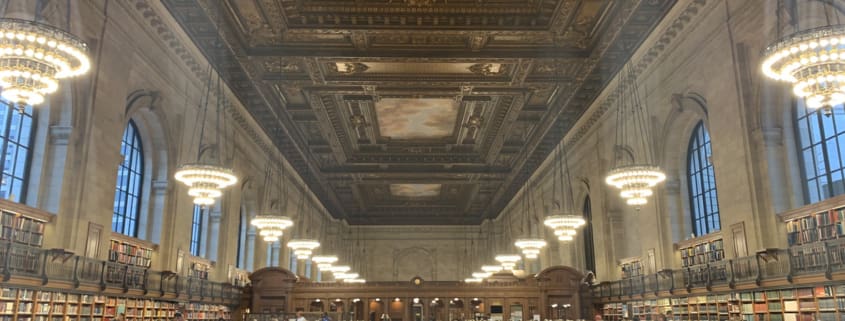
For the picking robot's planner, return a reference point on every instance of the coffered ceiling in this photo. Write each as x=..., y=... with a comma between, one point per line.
x=417, y=111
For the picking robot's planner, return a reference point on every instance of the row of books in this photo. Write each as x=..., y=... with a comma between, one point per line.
x=702, y=253
x=21, y=229
x=632, y=269
x=817, y=227
x=126, y=253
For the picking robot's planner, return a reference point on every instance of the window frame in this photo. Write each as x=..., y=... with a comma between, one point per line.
x=136, y=137
x=589, y=242
x=712, y=220
x=196, y=231
x=31, y=113
x=823, y=145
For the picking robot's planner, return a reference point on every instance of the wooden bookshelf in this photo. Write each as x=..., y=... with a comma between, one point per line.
x=631, y=267
x=810, y=303
x=702, y=250
x=199, y=268
x=130, y=251
x=199, y=311
x=817, y=222
x=52, y=305
x=27, y=229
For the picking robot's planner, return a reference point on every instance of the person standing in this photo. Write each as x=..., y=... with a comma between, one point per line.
x=299, y=316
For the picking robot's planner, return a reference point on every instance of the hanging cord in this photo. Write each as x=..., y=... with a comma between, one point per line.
x=568, y=178
x=265, y=204
x=199, y=132
x=525, y=206
x=641, y=110
x=620, y=110
x=282, y=185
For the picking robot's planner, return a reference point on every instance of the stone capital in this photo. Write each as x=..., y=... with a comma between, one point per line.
x=59, y=135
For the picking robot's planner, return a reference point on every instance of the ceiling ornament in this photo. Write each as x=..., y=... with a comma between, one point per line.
x=35, y=56
x=811, y=60
x=634, y=177
x=348, y=68
x=486, y=69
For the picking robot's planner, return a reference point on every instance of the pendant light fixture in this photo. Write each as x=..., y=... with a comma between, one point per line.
x=562, y=218
x=206, y=179
x=812, y=60
x=303, y=247
x=34, y=56
x=530, y=246
x=324, y=262
x=272, y=223
x=508, y=261
x=637, y=177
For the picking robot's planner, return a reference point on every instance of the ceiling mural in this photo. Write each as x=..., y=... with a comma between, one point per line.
x=416, y=118
x=417, y=112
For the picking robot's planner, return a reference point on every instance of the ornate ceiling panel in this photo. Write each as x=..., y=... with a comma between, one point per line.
x=417, y=111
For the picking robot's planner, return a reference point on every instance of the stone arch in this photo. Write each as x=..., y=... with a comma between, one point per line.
x=409, y=259
x=687, y=111
x=144, y=109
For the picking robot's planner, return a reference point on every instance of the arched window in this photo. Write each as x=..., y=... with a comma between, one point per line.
x=589, y=246
x=16, y=135
x=130, y=174
x=704, y=206
x=196, y=230
x=821, y=145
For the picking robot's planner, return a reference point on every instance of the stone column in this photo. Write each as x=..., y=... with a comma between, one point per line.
x=156, y=215
x=274, y=254
x=214, y=235
x=676, y=223
x=250, y=250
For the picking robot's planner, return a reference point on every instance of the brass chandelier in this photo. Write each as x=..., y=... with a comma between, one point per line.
x=530, y=245
x=272, y=223
x=34, y=56
x=635, y=178
x=562, y=218
x=812, y=60
x=206, y=180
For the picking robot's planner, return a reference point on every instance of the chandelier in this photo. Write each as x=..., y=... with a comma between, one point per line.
x=346, y=276
x=812, y=60
x=508, y=261
x=473, y=280
x=356, y=280
x=324, y=262
x=481, y=275
x=491, y=268
x=565, y=233
x=205, y=182
x=340, y=269
x=530, y=247
x=303, y=248
x=34, y=56
x=564, y=225
x=634, y=179
x=273, y=223
x=271, y=226
x=271, y=234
